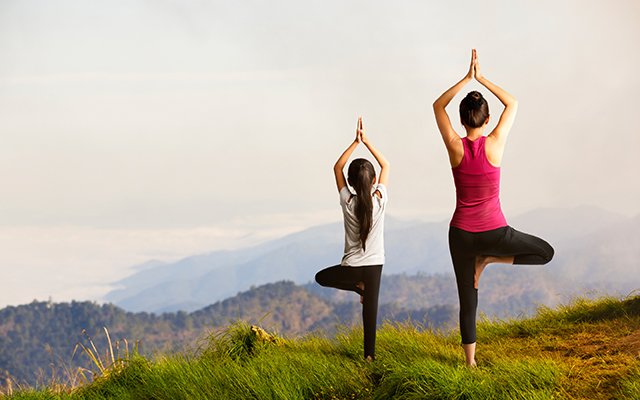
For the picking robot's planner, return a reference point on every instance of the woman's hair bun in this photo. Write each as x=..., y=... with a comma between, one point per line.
x=474, y=110
x=476, y=97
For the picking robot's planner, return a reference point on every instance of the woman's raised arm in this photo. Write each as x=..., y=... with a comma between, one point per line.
x=449, y=136
x=510, y=103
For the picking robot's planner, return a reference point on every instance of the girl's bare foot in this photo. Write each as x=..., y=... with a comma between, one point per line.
x=360, y=285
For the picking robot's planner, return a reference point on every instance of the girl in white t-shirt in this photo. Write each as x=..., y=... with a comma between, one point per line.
x=363, y=213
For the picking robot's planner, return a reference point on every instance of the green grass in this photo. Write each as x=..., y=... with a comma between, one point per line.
x=586, y=350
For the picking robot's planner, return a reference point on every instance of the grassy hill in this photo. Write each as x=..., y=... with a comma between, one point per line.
x=587, y=350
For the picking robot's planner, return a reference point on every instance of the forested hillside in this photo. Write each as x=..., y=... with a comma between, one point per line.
x=38, y=339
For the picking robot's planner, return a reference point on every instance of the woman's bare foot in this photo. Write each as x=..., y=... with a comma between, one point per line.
x=483, y=261
x=470, y=354
x=360, y=285
x=481, y=264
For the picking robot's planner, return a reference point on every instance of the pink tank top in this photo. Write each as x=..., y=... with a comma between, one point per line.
x=477, y=190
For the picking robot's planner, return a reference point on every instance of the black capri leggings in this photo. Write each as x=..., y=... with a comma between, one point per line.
x=346, y=278
x=502, y=242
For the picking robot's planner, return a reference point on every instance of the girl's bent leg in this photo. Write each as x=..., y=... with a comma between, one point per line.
x=340, y=277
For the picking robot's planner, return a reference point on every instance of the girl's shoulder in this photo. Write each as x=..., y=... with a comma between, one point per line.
x=380, y=194
x=345, y=195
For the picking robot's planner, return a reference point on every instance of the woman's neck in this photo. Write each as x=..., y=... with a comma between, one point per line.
x=474, y=133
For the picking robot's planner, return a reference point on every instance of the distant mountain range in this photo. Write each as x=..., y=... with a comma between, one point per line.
x=595, y=250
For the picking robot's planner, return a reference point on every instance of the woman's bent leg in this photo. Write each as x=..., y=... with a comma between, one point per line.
x=526, y=249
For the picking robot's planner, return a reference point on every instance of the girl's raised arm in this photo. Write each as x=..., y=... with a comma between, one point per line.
x=338, y=168
x=384, y=164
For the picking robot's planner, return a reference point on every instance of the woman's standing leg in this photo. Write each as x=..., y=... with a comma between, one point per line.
x=464, y=262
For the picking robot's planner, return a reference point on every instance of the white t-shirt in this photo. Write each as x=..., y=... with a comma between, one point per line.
x=354, y=256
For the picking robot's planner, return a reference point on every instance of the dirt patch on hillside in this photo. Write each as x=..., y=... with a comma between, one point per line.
x=630, y=344
x=598, y=343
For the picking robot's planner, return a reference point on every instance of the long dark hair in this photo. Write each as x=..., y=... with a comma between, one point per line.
x=361, y=175
x=474, y=110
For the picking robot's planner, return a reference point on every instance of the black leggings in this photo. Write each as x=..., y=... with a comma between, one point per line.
x=346, y=278
x=502, y=242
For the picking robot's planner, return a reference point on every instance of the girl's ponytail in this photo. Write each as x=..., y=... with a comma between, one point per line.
x=361, y=176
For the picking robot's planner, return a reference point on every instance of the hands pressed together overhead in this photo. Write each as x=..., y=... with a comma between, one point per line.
x=474, y=67
x=361, y=136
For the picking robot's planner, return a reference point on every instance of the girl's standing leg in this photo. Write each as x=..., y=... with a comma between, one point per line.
x=371, y=278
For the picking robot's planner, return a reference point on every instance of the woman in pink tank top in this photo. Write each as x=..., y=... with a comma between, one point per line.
x=478, y=233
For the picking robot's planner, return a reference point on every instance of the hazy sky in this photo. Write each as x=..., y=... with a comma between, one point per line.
x=135, y=130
